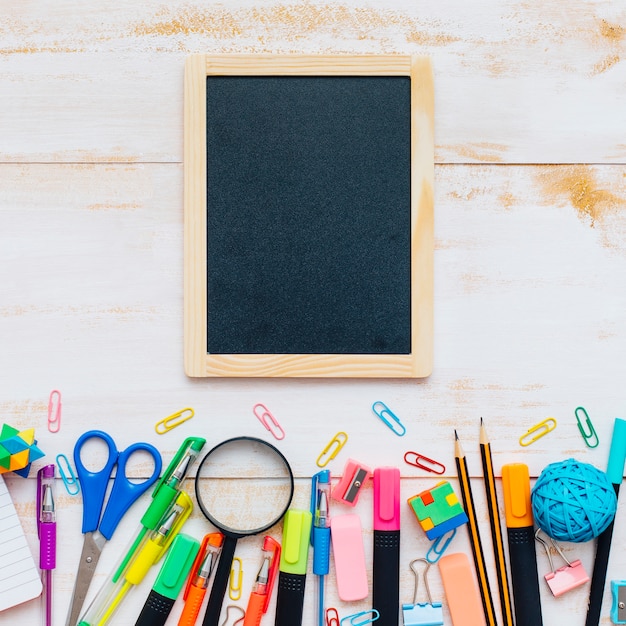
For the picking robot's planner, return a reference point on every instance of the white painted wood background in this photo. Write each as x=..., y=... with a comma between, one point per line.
x=530, y=258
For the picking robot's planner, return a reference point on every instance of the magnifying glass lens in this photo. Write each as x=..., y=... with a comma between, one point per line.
x=244, y=486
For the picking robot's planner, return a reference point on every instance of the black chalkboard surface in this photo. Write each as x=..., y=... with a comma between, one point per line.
x=308, y=216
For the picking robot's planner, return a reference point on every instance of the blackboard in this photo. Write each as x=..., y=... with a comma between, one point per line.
x=308, y=216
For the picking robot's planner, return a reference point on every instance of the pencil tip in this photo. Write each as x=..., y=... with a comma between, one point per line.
x=456, y=435
x=481, y=421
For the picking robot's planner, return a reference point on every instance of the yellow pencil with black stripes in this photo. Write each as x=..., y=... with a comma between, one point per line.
x=496, y=527
x=472, y=525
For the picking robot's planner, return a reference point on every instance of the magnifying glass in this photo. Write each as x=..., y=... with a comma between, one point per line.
x=244, y=486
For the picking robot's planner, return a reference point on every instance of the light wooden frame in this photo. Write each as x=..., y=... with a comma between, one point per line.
x=418, y=363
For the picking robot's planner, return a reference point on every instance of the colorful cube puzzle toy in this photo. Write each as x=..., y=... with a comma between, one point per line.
x=18, y=449
x=438, y=510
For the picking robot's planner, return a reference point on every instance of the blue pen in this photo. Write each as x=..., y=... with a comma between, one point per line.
x=320, y=532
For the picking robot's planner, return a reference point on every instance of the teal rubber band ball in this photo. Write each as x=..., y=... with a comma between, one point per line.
x=573, y=501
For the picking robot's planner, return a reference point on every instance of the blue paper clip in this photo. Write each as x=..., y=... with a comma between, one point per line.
x=439, y=546
x=388, y=418
x=355, y=619
x=422, y=613
x=67, y=475
x=590, y=435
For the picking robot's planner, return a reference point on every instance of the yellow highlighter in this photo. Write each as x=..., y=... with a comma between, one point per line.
x=114, y=591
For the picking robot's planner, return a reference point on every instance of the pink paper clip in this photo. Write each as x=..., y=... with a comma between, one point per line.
x=564, y=578
x=263, y=414
x=54, y=411
x=416, y=460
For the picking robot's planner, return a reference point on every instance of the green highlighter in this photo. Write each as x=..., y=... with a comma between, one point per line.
x=169, y=582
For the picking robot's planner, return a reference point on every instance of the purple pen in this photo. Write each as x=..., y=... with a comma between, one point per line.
x=47, y=531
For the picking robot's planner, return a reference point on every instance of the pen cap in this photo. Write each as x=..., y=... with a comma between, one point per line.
x=349, y=555
x=176, y=566
x=387, y=498
x=516, y=487
x=212, y=542
x=271, y=545
x=295, y=544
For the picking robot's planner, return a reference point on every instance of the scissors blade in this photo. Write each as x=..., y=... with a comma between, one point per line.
x=92, y=548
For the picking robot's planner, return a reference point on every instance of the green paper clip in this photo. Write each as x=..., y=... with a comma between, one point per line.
x=588, y=435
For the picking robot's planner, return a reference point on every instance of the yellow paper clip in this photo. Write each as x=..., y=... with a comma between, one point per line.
x=234, y=586
x=332, y=449
x=264, y=416
x=538, y=430
x=68, y=477
x=54, y=411
x=388, y=418
x=589, y=435
x=173, y=420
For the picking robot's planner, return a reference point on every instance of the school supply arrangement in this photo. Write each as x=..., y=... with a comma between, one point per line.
x=190, y=568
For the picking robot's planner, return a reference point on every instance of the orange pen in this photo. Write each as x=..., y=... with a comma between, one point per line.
x=262, y=590
x=198, y=580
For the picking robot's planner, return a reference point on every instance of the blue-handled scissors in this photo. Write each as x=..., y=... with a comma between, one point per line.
x=97, y=529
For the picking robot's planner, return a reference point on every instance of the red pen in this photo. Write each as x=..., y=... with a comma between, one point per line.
x=198, y=580
x=262, y=590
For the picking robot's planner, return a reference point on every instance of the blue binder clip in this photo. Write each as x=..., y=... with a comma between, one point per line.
x=422, y=614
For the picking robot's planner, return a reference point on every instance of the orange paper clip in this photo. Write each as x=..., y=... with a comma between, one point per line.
x=417, y=460
x=54, y=411
x=173, y=420
x=264, y=416
x=332, y=449
x=537, y=431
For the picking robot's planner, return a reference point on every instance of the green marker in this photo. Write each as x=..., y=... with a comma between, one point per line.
x=169, y=582
x=165, y=492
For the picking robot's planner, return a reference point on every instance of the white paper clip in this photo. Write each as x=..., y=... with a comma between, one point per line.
x=54, y=411
x=422, y=613
x=564, y=578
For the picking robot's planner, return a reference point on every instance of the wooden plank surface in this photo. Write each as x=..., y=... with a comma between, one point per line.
x=516, y=82
x=530, y=260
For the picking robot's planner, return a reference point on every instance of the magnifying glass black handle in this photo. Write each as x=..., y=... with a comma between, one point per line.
x=220, y=583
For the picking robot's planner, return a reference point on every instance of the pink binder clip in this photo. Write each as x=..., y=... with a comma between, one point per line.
x=564, y=578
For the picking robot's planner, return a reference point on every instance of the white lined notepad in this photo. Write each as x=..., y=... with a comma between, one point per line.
x=19, y=576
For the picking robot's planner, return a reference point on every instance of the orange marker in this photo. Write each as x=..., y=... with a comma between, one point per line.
x=262, y=590
x=199, y=577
